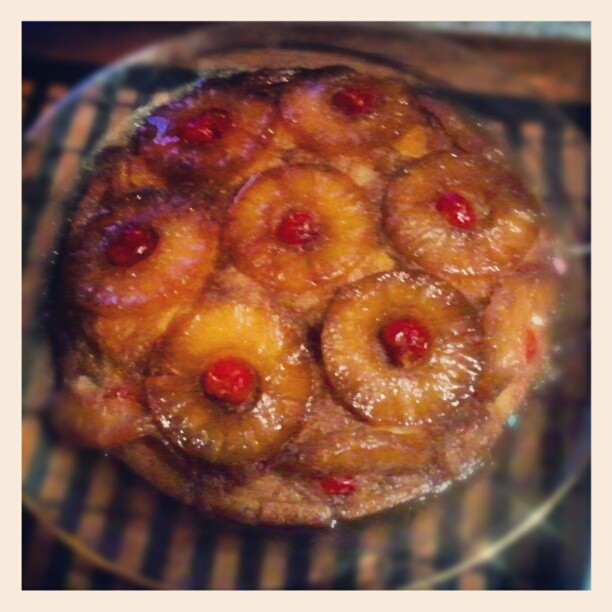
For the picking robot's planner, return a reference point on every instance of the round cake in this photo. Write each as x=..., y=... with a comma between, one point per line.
x=296, y=296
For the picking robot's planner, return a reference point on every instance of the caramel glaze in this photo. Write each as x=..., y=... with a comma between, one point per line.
x=280, y=220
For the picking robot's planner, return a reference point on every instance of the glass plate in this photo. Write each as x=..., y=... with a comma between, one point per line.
x=104, y=512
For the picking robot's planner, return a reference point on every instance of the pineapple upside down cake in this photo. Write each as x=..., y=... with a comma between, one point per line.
x=295, y=296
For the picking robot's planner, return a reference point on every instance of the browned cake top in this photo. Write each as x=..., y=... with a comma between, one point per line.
x=297, y=295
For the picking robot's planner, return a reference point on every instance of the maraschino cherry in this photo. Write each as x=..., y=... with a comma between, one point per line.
x=531, y=345
x=229, y=380
x=405, y=340
x=354, y=101
x=206, y=127
x=298, y=228
x=338, y=485
x=133, y=243
x=457, y=210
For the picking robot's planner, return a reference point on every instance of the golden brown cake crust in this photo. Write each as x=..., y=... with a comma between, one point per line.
x=295, y=296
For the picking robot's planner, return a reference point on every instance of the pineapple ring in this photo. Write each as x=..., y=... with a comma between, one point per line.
x=421, y=139
x=204, y=427
x=333, y=442
x=358, y=366
x=123, y=172
x=182, y=255
x=346, y=228
x=359, y=449
x=516, y=326
x=233, y=141
x=119, y=173
x=503, y=221
x=102, y=415
x=467, y=137
x=127, y=339
x=314, y=114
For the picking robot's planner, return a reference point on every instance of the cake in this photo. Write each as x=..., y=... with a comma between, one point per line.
x=302, y=295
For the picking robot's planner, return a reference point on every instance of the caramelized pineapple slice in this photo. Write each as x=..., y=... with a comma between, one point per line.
x=517, y=325
x=129, y=339
x=333, y=442
x=118, y=173
x=461, y=217
x=366, y=449
x=344, y=112
x=402, y=348
x=232, y=382
x=124, y=171
x=466, y=135
x=144, y=255
x=421, y=139
x=102, y=414
x=300, y=228
x=207, y=135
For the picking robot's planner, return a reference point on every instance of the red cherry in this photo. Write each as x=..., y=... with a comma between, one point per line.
x=406, y=341
x=457, y=210
x=230, y=380
x=354, y=101
x=531, y=345
x=298, y=228
x=207, y=127
x=132, y=244
x=338, y=485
